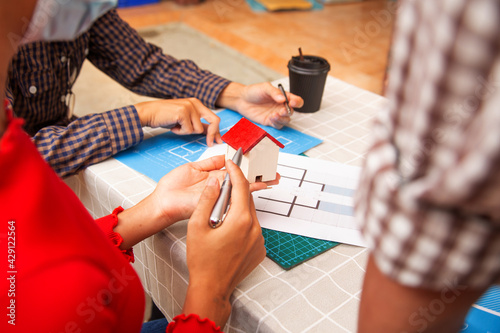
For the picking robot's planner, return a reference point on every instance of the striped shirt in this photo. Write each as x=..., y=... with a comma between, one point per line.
x=429, y=196
x=40, y=78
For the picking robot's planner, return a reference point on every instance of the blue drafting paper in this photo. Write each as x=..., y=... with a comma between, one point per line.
x=484, y=315
x=158, y=155
x=295, y=142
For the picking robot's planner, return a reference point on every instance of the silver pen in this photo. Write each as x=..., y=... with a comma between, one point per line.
x=287, y=105
x=222, y=202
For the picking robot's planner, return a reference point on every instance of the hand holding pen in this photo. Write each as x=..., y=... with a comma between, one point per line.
x=222, y=203
x=219, y=259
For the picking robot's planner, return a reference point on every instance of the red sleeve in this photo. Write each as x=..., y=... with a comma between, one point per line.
x=191, y=323
x=107, y=224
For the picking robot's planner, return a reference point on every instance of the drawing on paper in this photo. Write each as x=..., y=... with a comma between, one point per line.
x=314, y=199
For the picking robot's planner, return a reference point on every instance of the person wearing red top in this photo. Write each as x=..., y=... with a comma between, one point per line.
x=65, y=272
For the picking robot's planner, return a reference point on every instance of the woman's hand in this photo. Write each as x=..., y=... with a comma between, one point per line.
x=219, y=259
x=174, y=199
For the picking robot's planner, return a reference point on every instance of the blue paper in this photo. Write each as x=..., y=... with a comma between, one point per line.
x=484, y=315
x=158, y=155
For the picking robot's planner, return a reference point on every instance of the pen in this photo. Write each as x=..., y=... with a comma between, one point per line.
x=222, y=202
x=287, y=106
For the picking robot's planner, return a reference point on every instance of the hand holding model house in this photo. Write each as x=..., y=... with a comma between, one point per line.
x=260, y=150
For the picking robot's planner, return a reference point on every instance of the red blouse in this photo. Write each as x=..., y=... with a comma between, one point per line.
x=61, y=272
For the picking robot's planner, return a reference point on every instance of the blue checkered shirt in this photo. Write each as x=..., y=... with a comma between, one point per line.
x=38, y=84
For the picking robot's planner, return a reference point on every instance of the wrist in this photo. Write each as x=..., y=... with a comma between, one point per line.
x=231, y=96
x=107, y=225
x=207, y=302
x=142, y=113
x=138, y=223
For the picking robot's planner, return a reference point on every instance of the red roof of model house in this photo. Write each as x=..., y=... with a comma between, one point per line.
x=246, y=135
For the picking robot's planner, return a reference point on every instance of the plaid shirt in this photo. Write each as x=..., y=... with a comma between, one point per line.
x=38, y=84
x=429, y=196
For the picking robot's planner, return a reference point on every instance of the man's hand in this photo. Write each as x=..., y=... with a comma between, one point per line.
x=260, y=102
x=182, y=116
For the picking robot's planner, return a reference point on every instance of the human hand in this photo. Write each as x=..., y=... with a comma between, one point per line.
x=219, y=259
x=182, y=116
x=178, y=191
x=262, y=103
x=174, y=199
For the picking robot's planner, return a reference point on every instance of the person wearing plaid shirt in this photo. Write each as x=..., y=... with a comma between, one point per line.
x=42, y=73
x=429, y=195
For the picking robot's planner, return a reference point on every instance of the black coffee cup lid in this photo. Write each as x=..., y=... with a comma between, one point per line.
x=309, y=63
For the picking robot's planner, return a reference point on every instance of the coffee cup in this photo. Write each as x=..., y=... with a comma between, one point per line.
x=307, y=76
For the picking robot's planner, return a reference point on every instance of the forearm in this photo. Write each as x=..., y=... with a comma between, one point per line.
x=125, y=228
x=138, y=223
x=145, y=219
x=230, y=97
x=144, y=68
x=88, y=140
x=387, y=306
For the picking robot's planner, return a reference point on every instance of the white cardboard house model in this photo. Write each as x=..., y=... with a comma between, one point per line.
x=260, y=150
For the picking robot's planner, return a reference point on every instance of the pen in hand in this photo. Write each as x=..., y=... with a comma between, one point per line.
x=222, y=203
x=287, y=105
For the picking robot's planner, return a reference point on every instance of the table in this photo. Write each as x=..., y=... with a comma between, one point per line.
x=320, y=295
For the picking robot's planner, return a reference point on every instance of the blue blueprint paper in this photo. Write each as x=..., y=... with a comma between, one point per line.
x=158, y=155
x=484, y=315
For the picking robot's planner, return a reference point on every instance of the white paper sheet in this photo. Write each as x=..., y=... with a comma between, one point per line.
x=314, y=198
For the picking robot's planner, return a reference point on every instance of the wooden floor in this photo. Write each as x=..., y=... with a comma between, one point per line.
x=353, y=37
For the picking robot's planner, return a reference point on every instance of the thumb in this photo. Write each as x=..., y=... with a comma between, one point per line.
x=208, y=197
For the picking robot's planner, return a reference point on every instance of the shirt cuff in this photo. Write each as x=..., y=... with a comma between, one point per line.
x=107, y=224
x=124, y=127
x=209, y=89
x=191, y=323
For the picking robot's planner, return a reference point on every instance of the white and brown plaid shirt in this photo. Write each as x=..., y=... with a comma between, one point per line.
x=429, y=197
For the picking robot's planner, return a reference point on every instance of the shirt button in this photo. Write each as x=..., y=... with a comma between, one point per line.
x=63, y=59
x=33, y=90
x=63, y=99
x=86, y=52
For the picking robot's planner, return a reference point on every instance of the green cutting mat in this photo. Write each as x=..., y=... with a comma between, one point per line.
x=288, y=250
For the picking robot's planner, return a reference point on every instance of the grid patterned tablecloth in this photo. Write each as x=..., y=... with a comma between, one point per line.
x=320, y=295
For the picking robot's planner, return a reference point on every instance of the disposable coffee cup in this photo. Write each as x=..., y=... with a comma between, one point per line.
x=307, y=80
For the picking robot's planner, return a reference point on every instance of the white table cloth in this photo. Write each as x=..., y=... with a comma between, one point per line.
x=320, y=295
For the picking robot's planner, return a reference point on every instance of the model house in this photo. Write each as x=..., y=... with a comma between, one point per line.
x=260, y=150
